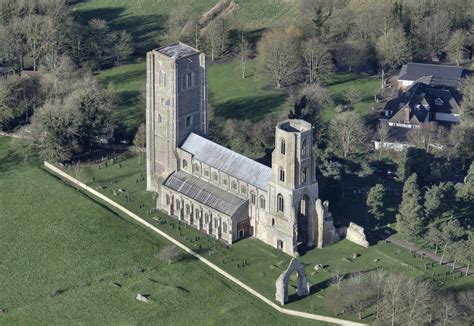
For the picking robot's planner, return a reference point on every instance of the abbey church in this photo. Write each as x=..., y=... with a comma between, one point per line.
x=218, y=191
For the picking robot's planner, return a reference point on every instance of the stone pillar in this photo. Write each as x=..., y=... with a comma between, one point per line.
x=320, y=210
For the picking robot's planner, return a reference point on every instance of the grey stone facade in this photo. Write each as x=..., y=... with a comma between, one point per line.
x=212, y=188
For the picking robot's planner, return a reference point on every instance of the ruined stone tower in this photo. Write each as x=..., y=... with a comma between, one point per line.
x=176, y=105
x=293, y=189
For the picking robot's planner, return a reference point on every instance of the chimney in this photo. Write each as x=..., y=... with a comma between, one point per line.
x=407, y=115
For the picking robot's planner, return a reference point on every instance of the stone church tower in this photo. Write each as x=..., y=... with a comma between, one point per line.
x=293, y=189
x=176, y=105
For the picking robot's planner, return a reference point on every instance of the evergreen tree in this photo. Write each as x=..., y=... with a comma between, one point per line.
x=375, y=201
x=410, y=214
x=438, y=198
x=465, y=190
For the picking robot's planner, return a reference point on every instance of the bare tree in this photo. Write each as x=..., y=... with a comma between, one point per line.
x=353, y=95
x=216, y=34
x=392, y=304
x=170, y=254
x=278, y=56
x=449, y=310
x=392, y=49
x=418, y=301
x=424, y=137
x=123, y=46
x=244, y=50
x=432, y=33
x=140, y=141
x=317, y=59
x=348, y=132
x=378, y=280
x=456, y=48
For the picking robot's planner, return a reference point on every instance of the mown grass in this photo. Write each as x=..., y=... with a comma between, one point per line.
x=52, y=237
x=338, y=84
x=256, y=263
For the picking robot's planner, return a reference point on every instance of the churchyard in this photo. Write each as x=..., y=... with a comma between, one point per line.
x=62, y=254
x=250, y=260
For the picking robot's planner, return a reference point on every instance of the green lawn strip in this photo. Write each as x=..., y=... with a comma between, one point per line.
x=254, y=262
x=54, y=237
x=339, y=83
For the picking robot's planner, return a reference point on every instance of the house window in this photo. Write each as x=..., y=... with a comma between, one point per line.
x=253, y=198
x=215, y=176
x=185, y=164
x=282, y=147
x=439, y=101
x=303, y=148
x=234, y=185
x=262, y=202
x=189, y=121
x=280, y=203
x=282, y=175
x=243, y=190
x=273, y=222
x=303, y=175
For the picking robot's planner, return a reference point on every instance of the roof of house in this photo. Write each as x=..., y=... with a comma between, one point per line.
x=178, y=50
x=440, y=75
x=421, y=99
x=204, y=192
x=228, y=161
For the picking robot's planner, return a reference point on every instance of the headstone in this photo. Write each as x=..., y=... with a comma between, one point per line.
x=142, y=298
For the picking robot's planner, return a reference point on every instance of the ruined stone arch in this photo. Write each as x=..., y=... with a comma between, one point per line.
x=281, y=294
x=305, y=215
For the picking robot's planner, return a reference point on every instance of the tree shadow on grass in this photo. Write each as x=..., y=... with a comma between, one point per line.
x=129, y=113
x=125, y=77
x=250, y=108
x=145, y=29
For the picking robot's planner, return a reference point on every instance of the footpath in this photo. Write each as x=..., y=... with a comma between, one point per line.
x=54, y=170
x=424, y=253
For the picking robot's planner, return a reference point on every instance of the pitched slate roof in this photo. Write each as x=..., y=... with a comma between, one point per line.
x=441, y=75
x=420, y=99
x=228, y=161
x=204, y=192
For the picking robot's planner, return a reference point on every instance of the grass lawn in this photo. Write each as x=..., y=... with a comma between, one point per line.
x=338, y=84
x=231, y=96
x=256, y=263
x=145, y=19
x=53, y=237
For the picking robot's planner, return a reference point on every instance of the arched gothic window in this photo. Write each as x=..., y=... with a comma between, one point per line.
x=224, y=227
x=253, y=198
x=215, y=176
x=280, y=203
x=273, y=222
x=262, y=202
x=303, y=148
x=185, y=164
x=234, y=185
x=243, y=190
x=160, y=119
x=282, y=175
x=196, y=168
x=282, y=147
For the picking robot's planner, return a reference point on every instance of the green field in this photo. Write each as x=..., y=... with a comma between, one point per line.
x=337, y=84
x=145, y=19
x=54, y=238
x=231, y=96
x=254, y=262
